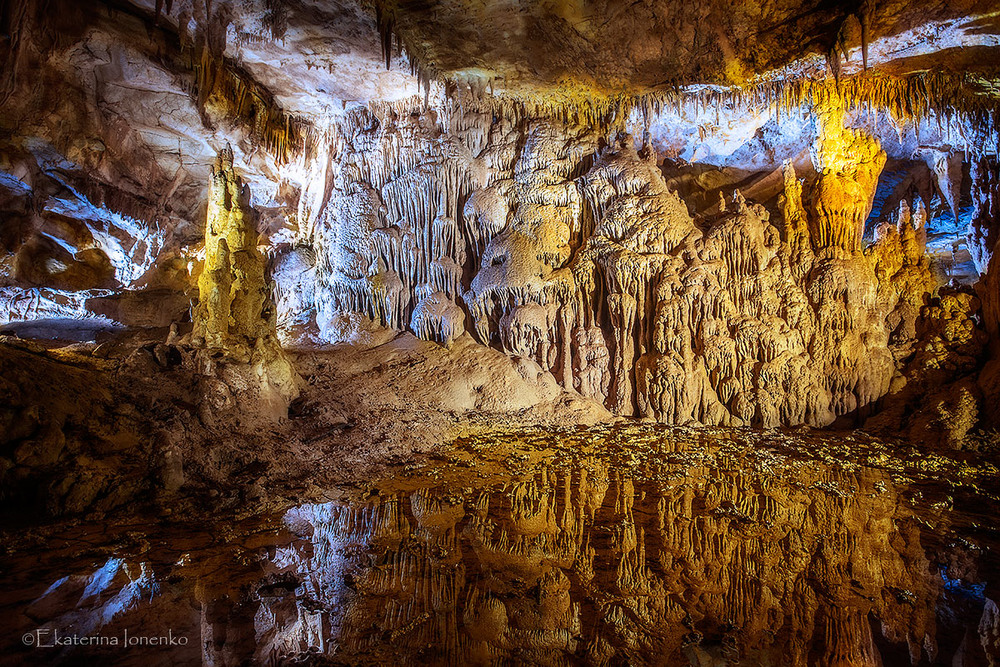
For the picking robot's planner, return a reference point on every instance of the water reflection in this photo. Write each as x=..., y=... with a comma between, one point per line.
x=689, y=555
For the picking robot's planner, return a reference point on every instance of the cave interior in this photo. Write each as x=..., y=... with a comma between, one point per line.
x=500, y=332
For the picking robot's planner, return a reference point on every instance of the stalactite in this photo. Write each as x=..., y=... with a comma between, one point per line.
x=585, y=262
x=849, y=162
x=220, y=82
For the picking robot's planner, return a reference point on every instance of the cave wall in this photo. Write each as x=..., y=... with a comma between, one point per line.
x=723, y=256
x=549, y=241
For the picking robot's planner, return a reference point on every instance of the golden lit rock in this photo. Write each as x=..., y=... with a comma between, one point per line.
x=234, y=307
x=849, y=163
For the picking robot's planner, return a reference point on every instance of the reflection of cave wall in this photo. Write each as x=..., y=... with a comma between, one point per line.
x=543, y=241
x=643, y=547
x=591, y=561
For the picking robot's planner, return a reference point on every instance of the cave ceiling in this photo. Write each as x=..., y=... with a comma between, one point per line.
x=612, y=46
x=317, y=55
x=133, y=98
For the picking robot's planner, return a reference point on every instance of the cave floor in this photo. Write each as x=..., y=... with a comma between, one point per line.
x=640, y=543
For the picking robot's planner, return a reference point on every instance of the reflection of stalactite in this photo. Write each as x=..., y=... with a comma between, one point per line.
x=644, y=571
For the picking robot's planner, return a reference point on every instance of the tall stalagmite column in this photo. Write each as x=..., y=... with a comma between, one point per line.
x=235, y=312
x=234, y=308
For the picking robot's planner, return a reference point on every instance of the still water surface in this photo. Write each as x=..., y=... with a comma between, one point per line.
x=631, y=545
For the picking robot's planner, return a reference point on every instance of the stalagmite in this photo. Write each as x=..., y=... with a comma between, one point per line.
x=437, y=318
x=234, y=306
x=235, y=314
x=796, y=228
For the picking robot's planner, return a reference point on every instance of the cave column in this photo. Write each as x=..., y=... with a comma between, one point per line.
x=849, y=163
x=235, y=313
x=234, y=308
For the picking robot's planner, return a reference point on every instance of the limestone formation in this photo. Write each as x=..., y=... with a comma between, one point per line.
x=849, y=163
x=505, y=205
x=235, y=314
x=596, y=271
x=983, y=231
x=234, y=306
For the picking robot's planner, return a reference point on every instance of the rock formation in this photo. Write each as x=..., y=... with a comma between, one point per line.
x=235, y=316
x=234, y=302
x=595, y=269
x=735, y=221
x=985, y=236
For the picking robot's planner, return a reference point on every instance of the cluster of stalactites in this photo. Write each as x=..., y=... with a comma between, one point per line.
x=402, y=181
x=234, y=307
x=960, y=103
x=223, y=84
x=589, y=264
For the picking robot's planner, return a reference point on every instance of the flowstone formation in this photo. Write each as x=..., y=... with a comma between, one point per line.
x=579, y=256
x=235, y=318
x=849, y=163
